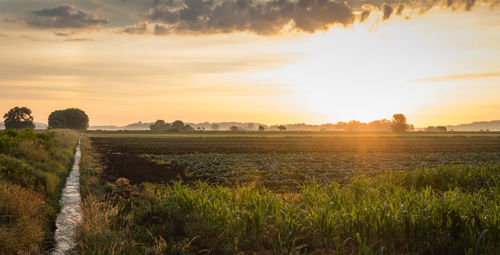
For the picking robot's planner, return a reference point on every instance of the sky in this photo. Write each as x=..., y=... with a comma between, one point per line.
x=267, y=61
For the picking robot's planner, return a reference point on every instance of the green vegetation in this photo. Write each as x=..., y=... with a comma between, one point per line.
x=33, y=167
x=18, y=118
x=438, y=209
x=284, y=172
x=71, y=118
x=176, y=126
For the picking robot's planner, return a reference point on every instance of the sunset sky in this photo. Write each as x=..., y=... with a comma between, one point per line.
x=277, y=61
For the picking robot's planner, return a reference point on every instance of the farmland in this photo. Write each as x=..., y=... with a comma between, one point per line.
x=290, y=193
x=282, y=162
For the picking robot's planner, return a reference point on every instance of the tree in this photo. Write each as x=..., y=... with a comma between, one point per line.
x=18, y=118
x=159, y=125
x=71, y=118
x=233, y=128
x=261, y=128
x=399, y=124
x=178, y=124
x=436, y=129
x=215, y=126
x=281, y=127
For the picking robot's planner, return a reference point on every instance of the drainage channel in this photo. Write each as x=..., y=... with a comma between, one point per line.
x=70, y=216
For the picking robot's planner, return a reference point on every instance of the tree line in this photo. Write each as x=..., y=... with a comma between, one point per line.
x=71, y=118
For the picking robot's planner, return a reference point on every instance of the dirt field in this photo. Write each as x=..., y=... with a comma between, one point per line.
x=283, y=161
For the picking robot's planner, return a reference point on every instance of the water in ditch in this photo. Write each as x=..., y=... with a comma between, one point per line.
x=69, y=216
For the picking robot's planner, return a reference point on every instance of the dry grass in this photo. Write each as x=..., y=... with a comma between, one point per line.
x=24, y=219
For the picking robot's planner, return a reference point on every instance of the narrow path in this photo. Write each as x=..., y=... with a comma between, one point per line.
x=70, y=215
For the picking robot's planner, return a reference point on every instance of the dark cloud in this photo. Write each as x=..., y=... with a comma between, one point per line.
x=400, y=9
x=364, y=15
x=387, y=11
x=140, y=28
x=64, y=17
x=469, y=4
x=161, y=30
x=62, y=34
x=261, y=17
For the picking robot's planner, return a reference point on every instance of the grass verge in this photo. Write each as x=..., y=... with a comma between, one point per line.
x=33, y=168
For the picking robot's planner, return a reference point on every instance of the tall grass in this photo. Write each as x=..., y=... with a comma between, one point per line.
x=444, y=210
x=33, y=167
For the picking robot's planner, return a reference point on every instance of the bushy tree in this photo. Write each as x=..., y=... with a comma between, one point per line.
x=436, y=129
x=178, y=124
x=261, y=128
x=399, y=124
x=215, y=126
x=233, y=128
x=281, y=127
x=71, y=118
x=18, y=118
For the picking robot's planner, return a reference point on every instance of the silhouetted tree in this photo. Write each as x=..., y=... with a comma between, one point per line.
x=261, y=128
x=281, y=127
x=215, y=126
x=71, y=118
x=178, y=124
x=399, y=123
x=233, y=128
x=18, y=118
x=436, y=129
x=159, y=125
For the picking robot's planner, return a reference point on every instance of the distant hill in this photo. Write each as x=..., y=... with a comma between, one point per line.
x=38, y=125
x=134, y=126
x=204, y=125
x=493, y=125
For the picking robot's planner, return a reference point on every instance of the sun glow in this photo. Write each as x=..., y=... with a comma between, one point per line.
x=425, y=67
x=370, y=72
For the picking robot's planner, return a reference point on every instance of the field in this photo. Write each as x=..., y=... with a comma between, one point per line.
x=282, y=162
x=290, y=193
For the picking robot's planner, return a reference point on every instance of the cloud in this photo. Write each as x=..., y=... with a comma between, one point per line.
x=64, y=17
x=268, y=17
x=457, y=77
x=62, y=34
x=400, y=9
x=364, y=15
x=141, y=28
x=387, y=11
x=79, y=40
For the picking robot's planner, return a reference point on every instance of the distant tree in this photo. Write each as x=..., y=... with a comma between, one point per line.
x=436, y=129
x=187, y=128
x=250, y=126
x=399, y=123
x=215, y=126
x=18, y=118
x=159, y=125
x=71, y=118
x=281, y=127
x=178, y=124
x=233, y=128
x=261, y=128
